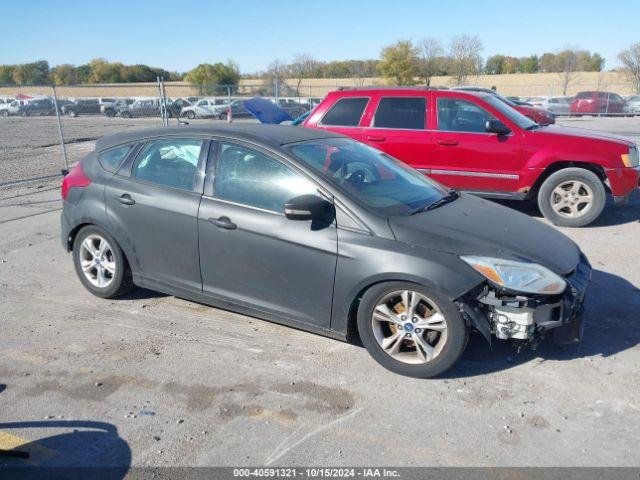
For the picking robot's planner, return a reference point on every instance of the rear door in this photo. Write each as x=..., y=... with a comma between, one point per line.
x=465, y=156
x=152, y=203
x=399, y=128
x=250, y=253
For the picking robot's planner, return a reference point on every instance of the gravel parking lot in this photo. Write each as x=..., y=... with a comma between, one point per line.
x=153, y=380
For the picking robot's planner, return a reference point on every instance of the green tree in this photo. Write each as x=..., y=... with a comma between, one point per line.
x=65, y=74
x=36, y=73
x=399, y=63
x=6, y=75
x=494, y=65
x=208, y=77
x=528, y=64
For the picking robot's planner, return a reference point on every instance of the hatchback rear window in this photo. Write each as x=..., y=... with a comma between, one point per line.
x=405, y=113
x=346, y=112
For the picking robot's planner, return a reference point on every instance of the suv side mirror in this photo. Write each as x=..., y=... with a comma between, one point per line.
x=309, y=207
x=496, y=126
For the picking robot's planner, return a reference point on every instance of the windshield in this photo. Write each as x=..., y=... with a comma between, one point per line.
x=372, y=178
x=509, y=112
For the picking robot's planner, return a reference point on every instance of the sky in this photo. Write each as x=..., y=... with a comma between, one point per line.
x=180, y=34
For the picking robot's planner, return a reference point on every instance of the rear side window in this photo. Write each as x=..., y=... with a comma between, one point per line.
x=583, y=95
x=404, y=113
x=170, y=162
x=346, y=112
x=111, y=159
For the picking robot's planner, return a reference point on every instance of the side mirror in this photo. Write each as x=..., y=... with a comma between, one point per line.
x=496, y=126
x=309, y=207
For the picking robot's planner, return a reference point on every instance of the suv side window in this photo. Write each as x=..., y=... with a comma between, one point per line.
x=111, y=159
x=172, y=162
x=455, y=115
x=252, y=178
x=346, y=112
x=396, y=112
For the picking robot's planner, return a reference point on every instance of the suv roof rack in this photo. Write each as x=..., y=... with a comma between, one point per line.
x=383, y=87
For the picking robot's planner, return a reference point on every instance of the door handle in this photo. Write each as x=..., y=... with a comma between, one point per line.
x=376, y=138
x=223, y=222
x=448, y=143
x=125, y=199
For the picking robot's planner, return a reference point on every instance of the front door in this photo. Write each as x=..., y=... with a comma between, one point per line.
x=154, y=210
x=465, y=156
x=250, y=253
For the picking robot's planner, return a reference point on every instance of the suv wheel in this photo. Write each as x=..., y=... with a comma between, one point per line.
x=410, y=329
x=109, y=113
x=72, y=113
x=100, y=263
x=572, y=197
x=191, y=115
x=4, y=113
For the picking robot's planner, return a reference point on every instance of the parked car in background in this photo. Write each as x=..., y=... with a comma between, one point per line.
x=13, y=108
x=149, y=107
x=237, y=110
x=536, y=101
x=632, y=105
x=204, y=108
x=5, y=102
x=292, y=106
x=476, y=143
x=111, y=109
x=538, y=115
x=319, y=232
x=597, y=103
x=558, y=105
x=37, y=107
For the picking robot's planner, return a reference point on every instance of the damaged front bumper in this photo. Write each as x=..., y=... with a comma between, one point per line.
x=528, y=318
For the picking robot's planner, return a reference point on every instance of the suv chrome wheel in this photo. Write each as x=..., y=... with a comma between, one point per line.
x=409, y=327
x=97, y=261
x=572, y=199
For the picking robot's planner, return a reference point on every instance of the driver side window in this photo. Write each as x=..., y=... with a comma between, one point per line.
x=455, y=115
x=252, y=178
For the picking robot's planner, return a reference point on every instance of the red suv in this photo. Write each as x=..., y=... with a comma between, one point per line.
x=476, y=143
x=597, y=103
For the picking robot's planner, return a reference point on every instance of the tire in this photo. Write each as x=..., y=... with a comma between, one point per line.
x=126, y=114
x=72, y=113
x=191, y=115
x=109, y=113
x=4, y=113
x=575, y=184
x=116, y=281
x=24, y=113
x=447, y=344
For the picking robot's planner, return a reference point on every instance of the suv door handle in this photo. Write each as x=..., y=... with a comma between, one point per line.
x=448, y=143
x=125, y=199
x=376, y=138
x=224, y=222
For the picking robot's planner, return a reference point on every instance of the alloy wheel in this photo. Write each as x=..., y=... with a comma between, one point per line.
x=572, y=199
x=409, y=327
x=97, y=261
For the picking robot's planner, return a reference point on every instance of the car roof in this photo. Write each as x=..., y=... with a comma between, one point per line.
x=266, y=135
x=354, y=91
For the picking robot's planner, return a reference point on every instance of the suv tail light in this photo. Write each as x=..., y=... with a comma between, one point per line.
x=74, y=179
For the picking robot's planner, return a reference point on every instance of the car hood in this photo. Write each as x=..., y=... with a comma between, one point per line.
x=585, y=133
x=473, y=226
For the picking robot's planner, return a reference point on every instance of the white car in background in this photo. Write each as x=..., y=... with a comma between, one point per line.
x=5, y=103
x=558, y=105
x=632, y=105
x=205, y=108
x=536, y=101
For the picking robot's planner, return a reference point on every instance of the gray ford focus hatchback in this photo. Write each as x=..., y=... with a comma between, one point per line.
x=318, y=231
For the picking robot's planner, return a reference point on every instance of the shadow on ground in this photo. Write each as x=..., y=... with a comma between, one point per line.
x=69, y=449
x=612, y=325
x=611, y=215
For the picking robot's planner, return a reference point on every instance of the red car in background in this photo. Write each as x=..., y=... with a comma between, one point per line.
x=597, y=103
x=539, y=115
x=476, y=143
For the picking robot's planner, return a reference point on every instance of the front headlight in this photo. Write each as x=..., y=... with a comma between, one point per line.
x=519, y=276
x=631, y=159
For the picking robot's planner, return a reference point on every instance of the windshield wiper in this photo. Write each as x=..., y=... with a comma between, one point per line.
x=448, y=198
x=535, y=126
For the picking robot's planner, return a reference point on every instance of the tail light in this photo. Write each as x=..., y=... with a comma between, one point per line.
x=74, y=179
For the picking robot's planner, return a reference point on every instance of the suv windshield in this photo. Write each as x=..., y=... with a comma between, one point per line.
x=512, y=114
x=372, y=178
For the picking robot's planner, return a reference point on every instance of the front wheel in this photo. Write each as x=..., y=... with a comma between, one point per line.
x=411, y=330
x=191, y=115
x=572, y=197
x=100, y=263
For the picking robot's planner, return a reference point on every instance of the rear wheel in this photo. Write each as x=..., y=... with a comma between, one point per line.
x=4, y=113
x=572, y=197
x=72, y=113
x=191, y=115
x=109, y=113
x=411, y=330
x=100, y=263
